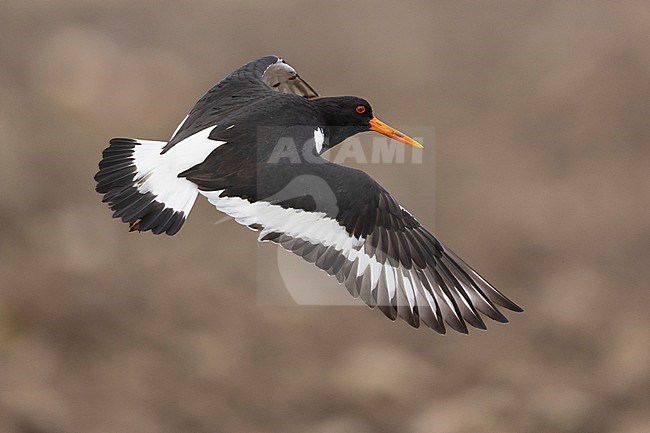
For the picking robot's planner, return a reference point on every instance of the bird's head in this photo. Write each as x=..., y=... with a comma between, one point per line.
x=346, y=116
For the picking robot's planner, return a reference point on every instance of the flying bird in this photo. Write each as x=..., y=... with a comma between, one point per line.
x=252, y=146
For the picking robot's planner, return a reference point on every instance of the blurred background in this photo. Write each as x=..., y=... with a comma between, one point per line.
x=540, y=179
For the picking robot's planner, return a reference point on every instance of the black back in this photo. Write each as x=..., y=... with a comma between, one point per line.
x=256, y=81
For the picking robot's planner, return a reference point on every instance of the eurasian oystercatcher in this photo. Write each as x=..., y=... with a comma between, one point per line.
x=252, y=146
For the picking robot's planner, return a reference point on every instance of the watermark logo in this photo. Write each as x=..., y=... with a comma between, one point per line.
x=381, y=150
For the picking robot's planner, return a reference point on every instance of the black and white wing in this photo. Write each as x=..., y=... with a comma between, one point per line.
x=253, y=81
x=377, y=250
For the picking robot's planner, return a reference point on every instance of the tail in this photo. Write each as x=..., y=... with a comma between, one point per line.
x=141, y=186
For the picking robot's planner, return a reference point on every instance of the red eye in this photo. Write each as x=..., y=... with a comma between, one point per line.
x=360, y=109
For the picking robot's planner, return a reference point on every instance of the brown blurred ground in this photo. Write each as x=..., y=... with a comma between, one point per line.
x=541, y=181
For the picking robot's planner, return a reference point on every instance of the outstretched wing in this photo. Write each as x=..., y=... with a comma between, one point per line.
x=374, y=247
x=253, y=81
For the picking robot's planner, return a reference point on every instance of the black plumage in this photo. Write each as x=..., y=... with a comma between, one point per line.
x=265, y=129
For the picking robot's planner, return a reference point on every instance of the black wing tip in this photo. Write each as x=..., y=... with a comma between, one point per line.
x=459, y=314
x=458, y=326
x=477, y=323
x=490, y=296
x=502, y=300
x=440, y=330
x=511, y=306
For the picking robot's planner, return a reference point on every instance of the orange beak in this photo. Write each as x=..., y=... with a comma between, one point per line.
x=379, y=126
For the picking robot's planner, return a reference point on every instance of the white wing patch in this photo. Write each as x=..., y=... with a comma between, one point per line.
x=158, y=173
x=191, y=151
x=314, y=227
